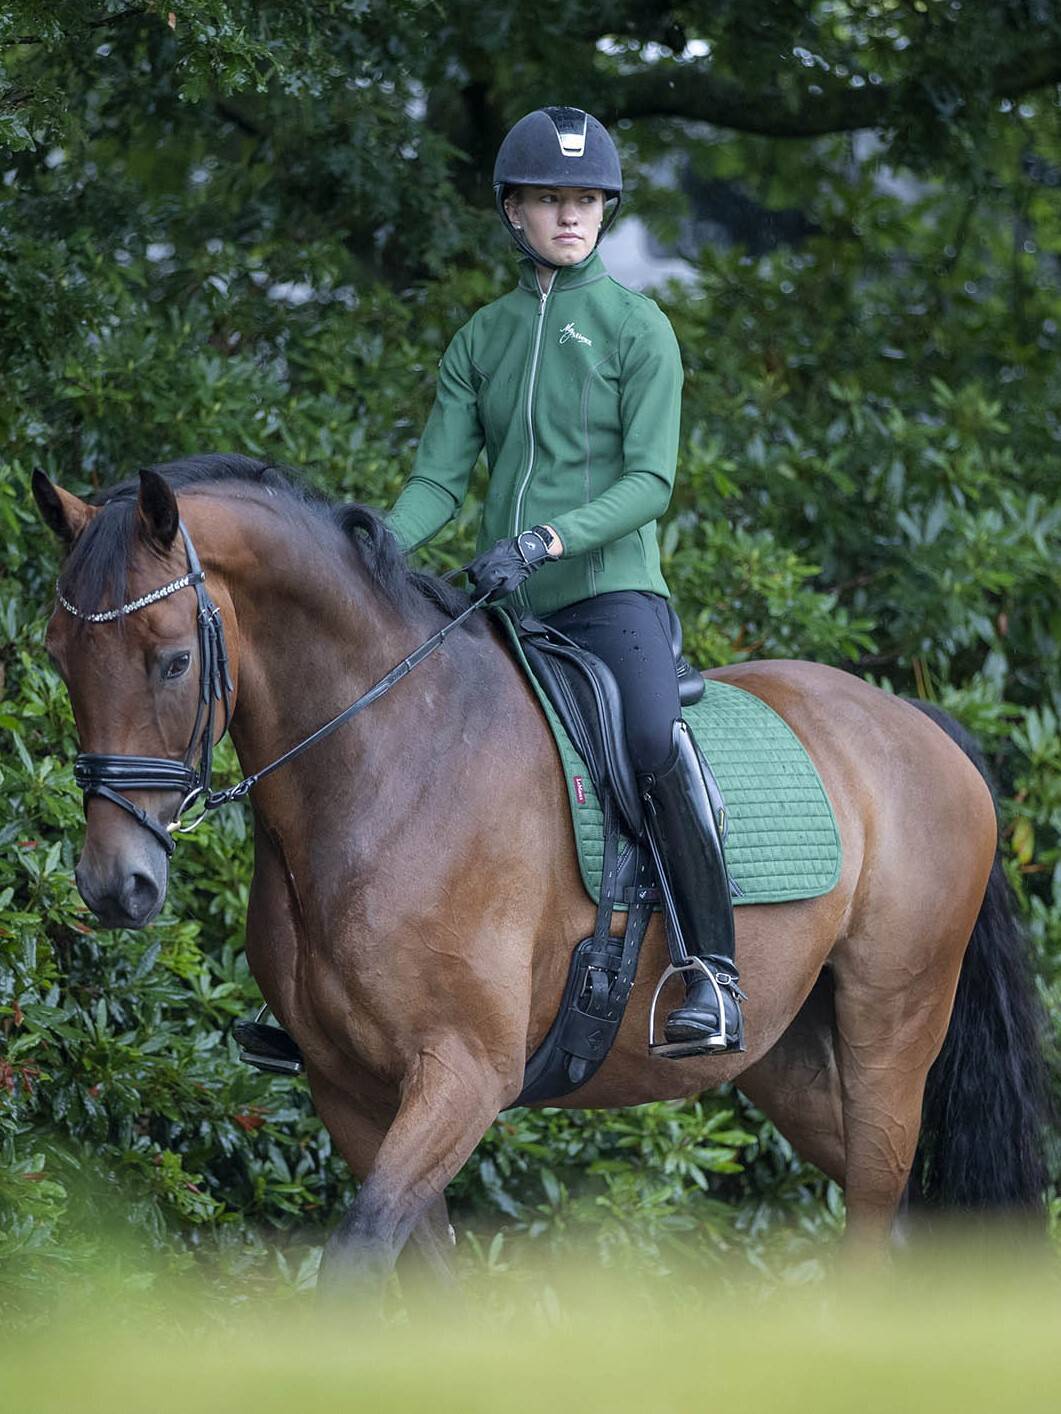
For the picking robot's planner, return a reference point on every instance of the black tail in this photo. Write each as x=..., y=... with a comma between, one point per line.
x=985, y=1110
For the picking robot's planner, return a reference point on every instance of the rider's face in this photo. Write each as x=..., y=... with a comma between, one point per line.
x=561, y=223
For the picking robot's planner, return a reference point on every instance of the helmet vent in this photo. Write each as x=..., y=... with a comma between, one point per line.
x=570, y=125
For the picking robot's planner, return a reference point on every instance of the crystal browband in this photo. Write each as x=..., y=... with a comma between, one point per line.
x=109, y=615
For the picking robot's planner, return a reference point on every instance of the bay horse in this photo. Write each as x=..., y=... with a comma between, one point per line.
x=416, y=894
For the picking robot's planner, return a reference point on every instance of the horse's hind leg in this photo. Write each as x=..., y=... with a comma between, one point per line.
x=892, y=1011
x=797, y=1083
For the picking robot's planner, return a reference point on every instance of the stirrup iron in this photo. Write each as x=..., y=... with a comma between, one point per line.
x=271, y=1063
x=679, y=1050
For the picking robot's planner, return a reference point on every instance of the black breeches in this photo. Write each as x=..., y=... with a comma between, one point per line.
x=630, y=630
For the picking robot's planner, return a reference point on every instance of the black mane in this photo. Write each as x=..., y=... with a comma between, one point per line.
x=95, y=575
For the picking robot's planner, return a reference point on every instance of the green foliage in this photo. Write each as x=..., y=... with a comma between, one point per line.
x=255, y=228
x=663, y=1184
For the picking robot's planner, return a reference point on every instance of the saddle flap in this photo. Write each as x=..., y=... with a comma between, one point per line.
x=585, y=695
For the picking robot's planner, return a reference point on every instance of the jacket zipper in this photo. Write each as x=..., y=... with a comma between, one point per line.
x=543, y=295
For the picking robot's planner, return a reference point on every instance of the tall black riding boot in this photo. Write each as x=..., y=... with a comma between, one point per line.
x=688, y=851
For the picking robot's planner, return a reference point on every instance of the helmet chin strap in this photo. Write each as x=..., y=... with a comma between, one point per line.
x=516, y=232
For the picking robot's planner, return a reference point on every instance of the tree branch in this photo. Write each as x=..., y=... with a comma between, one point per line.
x=232, y=115
x=691, y=91
x=97, y=23
x=11, y=99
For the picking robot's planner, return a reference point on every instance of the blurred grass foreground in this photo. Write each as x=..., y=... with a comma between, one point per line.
x=939, y=1334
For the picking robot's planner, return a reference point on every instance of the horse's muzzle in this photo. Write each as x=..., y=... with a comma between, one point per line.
x=122, y=898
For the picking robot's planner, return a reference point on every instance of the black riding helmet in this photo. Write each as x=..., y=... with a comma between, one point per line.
x=557, y=147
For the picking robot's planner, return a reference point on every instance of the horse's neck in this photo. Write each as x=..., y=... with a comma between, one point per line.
x=313, y=635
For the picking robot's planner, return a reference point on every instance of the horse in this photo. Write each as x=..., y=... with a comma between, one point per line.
x=416, y=894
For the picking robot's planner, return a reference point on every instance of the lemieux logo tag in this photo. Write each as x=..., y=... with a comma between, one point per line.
x=580, y=789
x=570, y=332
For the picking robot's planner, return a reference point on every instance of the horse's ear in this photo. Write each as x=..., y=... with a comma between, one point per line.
x=61, y=511
x=157, y=505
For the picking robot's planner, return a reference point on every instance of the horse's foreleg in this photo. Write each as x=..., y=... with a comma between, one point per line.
x=450, y=1096
x=358, y=1138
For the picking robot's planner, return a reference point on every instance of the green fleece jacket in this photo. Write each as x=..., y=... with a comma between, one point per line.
x=576, y=396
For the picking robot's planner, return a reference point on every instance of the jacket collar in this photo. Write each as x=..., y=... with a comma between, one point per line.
x=568, y=277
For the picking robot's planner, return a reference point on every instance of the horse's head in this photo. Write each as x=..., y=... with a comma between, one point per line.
x=136, y=680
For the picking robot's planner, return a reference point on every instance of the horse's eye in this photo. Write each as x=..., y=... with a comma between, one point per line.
x=176, y=667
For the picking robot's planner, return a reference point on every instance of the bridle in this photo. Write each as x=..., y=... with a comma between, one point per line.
x=99, y=774
x=106, y=776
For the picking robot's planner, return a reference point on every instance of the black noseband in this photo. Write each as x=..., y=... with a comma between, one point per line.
x=102, y=775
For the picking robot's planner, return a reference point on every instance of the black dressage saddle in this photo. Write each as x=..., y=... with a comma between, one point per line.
x=582, y=689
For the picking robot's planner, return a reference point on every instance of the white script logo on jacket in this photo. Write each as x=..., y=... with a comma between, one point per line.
x=570, y=332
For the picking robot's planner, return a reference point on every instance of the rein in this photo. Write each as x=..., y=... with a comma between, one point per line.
x=106, y=776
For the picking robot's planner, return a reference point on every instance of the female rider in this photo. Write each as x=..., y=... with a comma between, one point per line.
x=573, y=383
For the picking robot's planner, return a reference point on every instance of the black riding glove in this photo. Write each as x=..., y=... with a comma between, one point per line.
x=505, y=566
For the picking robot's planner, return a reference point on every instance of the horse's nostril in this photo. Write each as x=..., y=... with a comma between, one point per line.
x=139, y=895
x=122, y=897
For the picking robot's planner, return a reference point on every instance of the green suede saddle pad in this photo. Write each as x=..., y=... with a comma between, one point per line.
x=783, y=842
